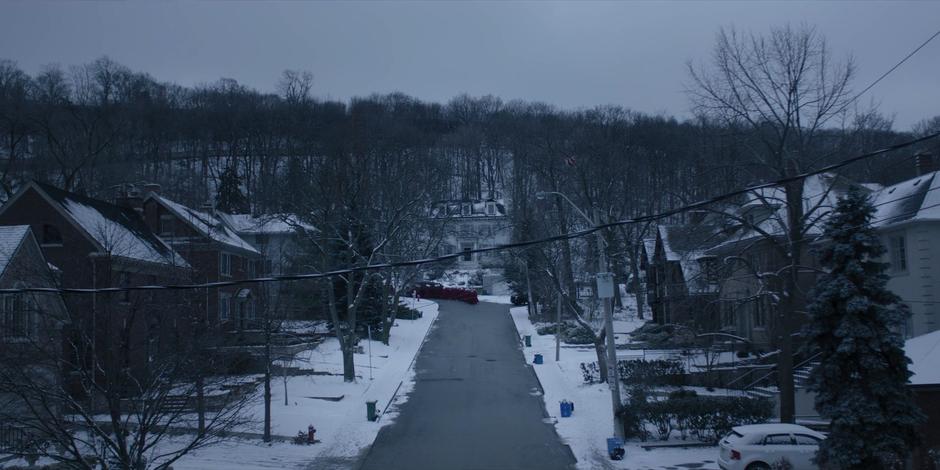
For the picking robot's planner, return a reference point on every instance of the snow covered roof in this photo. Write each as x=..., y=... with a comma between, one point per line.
x=206, y=224
x=687, y=244
x=924, y=353
x=914, y=199
x=765, y=209
x=119, y=231
x=265, y=223
x=11, y=237
x=469, y=208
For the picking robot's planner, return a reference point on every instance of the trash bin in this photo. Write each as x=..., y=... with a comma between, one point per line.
x=538, y=359
x=566, y=408
x=615, y=448
x=528, y=341
x=370, y=411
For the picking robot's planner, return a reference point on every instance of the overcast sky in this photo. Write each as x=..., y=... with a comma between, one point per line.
x=573, y=55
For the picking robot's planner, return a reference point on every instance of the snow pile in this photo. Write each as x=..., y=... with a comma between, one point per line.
x=587, y=430
x=335, y=408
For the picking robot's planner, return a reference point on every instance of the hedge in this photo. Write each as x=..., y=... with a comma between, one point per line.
x=707, y=418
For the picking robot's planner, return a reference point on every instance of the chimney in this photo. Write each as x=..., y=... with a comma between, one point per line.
x=697, y=216
x=129, y=196
x=925, y=163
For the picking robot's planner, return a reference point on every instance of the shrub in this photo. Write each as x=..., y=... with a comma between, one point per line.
x=578, y=334
x=708, y=418
x=407, y=313
x=652, y=372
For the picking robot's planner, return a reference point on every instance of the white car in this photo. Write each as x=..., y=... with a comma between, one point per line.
x=760, y=446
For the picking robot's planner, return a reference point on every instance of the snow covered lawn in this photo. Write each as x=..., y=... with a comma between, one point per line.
x=341, y=425
x=591, y=423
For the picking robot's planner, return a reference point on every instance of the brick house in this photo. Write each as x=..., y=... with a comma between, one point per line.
x=95, y=244
x=279, y=238
x=30, y=325
x=215, y=252
x=682, y=280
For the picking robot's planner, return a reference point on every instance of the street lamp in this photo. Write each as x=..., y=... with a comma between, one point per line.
x=605, y=293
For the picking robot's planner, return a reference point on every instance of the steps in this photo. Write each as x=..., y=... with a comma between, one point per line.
x=800, y=380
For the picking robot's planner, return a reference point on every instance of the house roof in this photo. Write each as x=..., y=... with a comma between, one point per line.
x=767, y=208
x=206, y=224
x=477, y=208
x=11, y=237
x=924, y=353
x=686, y=244
x=119, y=231
x=915, y=199
x=265, y=223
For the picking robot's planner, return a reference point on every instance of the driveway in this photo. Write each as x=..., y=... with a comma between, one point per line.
x=475, y=404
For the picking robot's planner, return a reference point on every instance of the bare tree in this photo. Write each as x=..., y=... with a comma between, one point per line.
x=783, y=89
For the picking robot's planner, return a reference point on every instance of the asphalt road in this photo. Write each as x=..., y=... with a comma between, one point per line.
x=475, y=405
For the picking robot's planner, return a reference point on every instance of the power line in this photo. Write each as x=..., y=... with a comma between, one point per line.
x=508, y=246
x=892, y=69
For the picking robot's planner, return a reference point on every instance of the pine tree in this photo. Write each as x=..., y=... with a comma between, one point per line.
x=229, y=197
x=855, y=323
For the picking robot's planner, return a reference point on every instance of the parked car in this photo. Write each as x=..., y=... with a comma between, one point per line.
x=760, y=446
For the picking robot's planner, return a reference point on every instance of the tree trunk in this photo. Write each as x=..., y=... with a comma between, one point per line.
x=600, y=347
x=788, y=305
x=637, y=286
x=349, y=368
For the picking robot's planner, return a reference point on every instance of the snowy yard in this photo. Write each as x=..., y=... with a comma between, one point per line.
x=591, y=423
x=341, y=425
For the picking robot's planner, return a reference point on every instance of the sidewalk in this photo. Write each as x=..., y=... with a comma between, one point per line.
x=342, y=428
x=591, y=423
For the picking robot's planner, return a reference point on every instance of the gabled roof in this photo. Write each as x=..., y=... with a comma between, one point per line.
x=915, y=199
x=924, y=353
x=11, y=237
x=118, y=231
x=767, y=208
x=205, y=224
x=265, y=223
x=686, y=245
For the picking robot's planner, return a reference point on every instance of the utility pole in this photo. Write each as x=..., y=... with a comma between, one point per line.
x=558, y=328
x=605, y=292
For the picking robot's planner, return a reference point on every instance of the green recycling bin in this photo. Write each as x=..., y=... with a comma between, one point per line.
x=528, y=341
x=371, y=413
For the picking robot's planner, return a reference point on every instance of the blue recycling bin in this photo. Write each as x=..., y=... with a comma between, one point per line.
x=566, y=408
x=615, y=448
x=538, y=359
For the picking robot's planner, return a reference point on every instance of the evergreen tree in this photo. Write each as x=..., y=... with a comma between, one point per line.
x=229, y=196
x=855, y=323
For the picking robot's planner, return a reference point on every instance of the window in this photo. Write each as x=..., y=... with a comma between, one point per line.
x=166, y=225
x=898, y=250
x=124, y=280
x=17, y=319
x=761, y=308
x=224, y=306
x=51, y=235
x=225, y=264
x=490, y=208
x=465, y=248
x=806, y=440
x=253, y=268
x=268, y=267
x=465, y=209
x=778, y=440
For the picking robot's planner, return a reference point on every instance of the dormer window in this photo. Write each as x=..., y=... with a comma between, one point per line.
x=490, y=208
x=51, y=236
x=465, y=208
x=166, y=225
